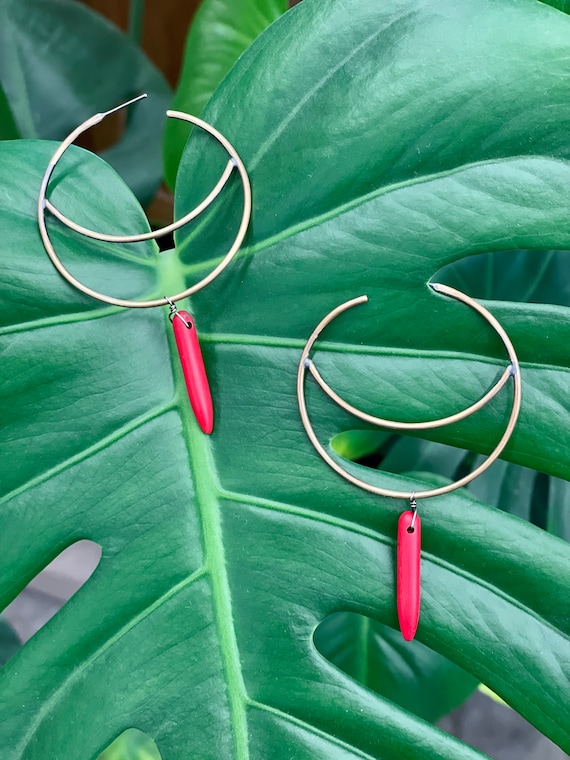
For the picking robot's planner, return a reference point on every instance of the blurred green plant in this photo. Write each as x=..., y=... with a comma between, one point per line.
x=219, y=34
x=132, y=744
x=60, y=63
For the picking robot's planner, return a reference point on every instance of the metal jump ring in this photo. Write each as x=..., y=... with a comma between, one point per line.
x=44, y=203
x=414, y=508
x=513, y=370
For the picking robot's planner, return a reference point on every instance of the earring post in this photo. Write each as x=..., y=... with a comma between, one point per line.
x=124, y=105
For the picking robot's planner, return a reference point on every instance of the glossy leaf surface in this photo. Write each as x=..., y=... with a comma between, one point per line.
x=221, y=30
x=407, y=673
x=60, y=63
x=222, y=554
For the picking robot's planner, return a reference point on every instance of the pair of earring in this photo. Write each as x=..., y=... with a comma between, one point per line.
x=409, y=524
x=185, y=333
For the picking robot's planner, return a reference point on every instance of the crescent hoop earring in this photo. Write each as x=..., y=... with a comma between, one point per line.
x=44, y=204
x=182, y=322
x=409, y=526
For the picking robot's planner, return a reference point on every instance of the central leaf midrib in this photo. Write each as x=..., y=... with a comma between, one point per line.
x=206, y=490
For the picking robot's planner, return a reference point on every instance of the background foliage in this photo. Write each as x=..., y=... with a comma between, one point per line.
x=382, y=156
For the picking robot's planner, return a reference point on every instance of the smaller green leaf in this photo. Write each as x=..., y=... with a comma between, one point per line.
x=220, y=32
x=356, y=444
x=132, y=744
x=558, y=520
x=61, y=63
x=8, y=128
x=562, y=5
x=408, y=673
x=491, y=694
x=136, y=18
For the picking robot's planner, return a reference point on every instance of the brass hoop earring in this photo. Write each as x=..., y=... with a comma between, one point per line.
x=409, y=528
x=44, y=204
x=182, y=322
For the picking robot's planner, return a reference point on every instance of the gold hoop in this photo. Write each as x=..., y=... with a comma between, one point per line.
x=512, y=370
x=44, y=204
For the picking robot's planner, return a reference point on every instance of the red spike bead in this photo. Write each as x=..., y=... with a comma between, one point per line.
x=194, y=370
x=408, y=574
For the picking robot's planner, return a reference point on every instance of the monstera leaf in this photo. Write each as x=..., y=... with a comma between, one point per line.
x=406, y=135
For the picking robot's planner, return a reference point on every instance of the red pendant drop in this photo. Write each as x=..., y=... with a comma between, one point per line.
x=408, y=576
x=193, y=369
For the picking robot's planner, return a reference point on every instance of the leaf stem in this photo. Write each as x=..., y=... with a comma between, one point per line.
x=8, y=128
x=136, y=18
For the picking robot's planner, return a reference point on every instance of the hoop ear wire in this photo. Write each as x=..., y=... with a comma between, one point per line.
x=44, y=204
x=513, y=370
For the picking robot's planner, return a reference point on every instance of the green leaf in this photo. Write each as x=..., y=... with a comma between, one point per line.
x=131, y=745
x=61, y=62
x=559, y=508
x=408, y=673
x=222, y=554
x=562, y=5
x=136, y=19
x=8, y=128
x=221, y=30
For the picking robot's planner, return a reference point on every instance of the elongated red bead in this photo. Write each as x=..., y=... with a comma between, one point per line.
x=408, y=575
x=193, y=369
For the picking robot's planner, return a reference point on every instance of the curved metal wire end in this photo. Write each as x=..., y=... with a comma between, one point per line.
x=306, y=364
x=127, y=103
x=44, y=204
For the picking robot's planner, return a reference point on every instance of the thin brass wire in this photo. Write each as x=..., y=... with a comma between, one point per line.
x=152, y=234
x=43, y=205
x=429, y=424
x=513, y=370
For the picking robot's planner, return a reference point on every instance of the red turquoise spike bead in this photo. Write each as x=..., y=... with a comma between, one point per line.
x=408, y=573
x=193, y=369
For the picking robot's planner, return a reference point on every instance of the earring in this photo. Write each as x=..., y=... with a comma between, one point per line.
x=409, y=524
x=183, y=323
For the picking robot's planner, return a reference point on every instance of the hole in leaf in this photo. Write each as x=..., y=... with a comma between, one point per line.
x=132, y=744
x=398, y=454
x=427, y=684
x=487, y=724
x=540, y=500
x=45, y=594
x=528, y=276
x=408, y=673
